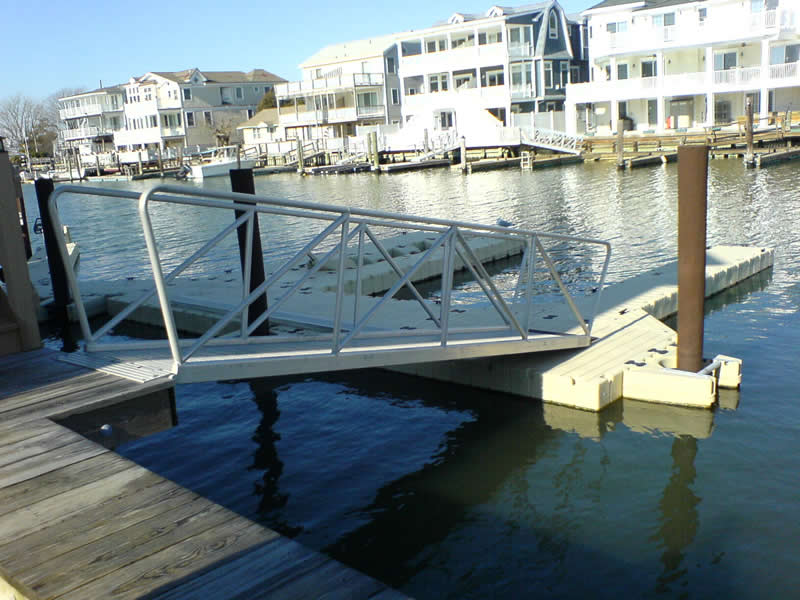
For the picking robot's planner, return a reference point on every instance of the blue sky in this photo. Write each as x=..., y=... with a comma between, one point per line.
x=52, y=44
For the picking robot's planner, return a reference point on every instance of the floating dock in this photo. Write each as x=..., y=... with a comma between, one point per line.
x=79, y=521
x=433, y=163
x=629, y=337
x=655, y=159
x=764, y=159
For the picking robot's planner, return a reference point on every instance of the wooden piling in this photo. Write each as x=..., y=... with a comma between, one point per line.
x=749, y=129
x=140, y=162
x=243, y=182
x=97, y=164
x=22, y=297
x=692, y=196
x=620, y=144
x=463, y=153
x=301, y=166
x=160, y=160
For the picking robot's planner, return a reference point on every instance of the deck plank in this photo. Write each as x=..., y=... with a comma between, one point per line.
x=153, y=497
x=197, y=552
x=114, y=552
x=40, y=464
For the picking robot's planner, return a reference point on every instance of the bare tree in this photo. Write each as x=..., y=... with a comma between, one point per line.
x=19, y=118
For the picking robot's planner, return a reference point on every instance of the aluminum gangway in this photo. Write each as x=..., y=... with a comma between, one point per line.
x=359, y=328
x=550, y=139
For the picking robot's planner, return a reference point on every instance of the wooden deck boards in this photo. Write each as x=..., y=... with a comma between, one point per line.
x=78, y=521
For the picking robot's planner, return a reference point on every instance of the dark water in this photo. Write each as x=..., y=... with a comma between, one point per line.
x=449, y=492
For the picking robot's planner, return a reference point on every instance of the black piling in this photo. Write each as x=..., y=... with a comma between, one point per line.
x=243, y=182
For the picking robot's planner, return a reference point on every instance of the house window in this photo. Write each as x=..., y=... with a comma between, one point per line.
x=208, y=118
x=553, y=33
x=490, y=37
x=725, y=61
x=148, y=95
x=622, y=71
x=250, y=113
x=722, y=112
x=622, y=109
x=665, y=20
x=652, y=112
x=395, y=96
x=548, y=74
x=152, y=121
x=618, y=27
x=463, y=80
x=190, y=119
x=437, y=82
x=390, y=66
x=574, y=74
x=649, y=68
x=702, y=15
x=463, y=40
x=239, y=93
x=187, y=93
x=445, y=119
x=492, y=76
x=564, y=70
x=439, y=45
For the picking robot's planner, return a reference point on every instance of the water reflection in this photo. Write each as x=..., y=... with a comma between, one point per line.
x=679, y=515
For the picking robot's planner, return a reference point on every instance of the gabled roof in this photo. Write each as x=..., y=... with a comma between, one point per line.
x=256, y=75
x=354, y=50
x=646, y=4
x=268, y=116
x=493, y=12
x=110, y=89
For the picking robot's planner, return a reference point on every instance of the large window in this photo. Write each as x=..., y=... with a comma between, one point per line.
x=649, y=68
x=519, y=35
x=208, y=118
x=187, y=93
x=779, y=55
x=190, y=119
x=664, y=20
x=618, y=27
x=395, y=96
x=553, y=33
x=436, y=45
x=622, y=71
x=390, y=65
x=464, y=80
x=724, y=61
x=490, y=37
x=548, y=74
x=463, y=40
x=492, y=76
x=437, y=82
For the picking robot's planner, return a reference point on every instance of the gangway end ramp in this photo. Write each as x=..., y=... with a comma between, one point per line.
x=514, y=316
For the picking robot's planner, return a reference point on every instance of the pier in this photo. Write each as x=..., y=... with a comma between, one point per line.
x=79, y=521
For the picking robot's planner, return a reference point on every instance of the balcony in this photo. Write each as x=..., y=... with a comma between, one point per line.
x=720, y=27
x=523, y=92
x=520, y=50
x=86, y=110
x=370, y=112
x=686, y=84
x=309, y=87
x=81, y=133
x=318, y=117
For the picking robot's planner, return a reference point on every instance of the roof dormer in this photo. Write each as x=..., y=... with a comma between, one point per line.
x=455, y=19
x=496, y=11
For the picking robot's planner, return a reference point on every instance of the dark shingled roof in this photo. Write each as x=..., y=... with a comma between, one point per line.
x=648, y=4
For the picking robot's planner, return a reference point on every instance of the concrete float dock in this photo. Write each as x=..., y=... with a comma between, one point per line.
x=629, y=356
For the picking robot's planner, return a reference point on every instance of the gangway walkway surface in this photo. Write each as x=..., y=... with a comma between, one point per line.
x=364, y=331
x=550, y=139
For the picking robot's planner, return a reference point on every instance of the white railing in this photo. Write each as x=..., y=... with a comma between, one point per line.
x=784, y=71
x=320, y=85
x=341, y=238
x=520, y=50
x=370, y=111
x=80, y=132
x=82, y=111
x=741, y=75
x=554, y=140
x=523, y=91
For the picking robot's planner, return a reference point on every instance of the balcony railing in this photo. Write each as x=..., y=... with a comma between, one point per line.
x=80, y=132
x=741, y=79
x=520, y=50
x=523, y=91
x=370, y=111
x=321, y=85
x=86, y=110
x=722, y=26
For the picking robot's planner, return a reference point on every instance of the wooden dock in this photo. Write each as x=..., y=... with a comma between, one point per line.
x=78, y=521
x=414, y=166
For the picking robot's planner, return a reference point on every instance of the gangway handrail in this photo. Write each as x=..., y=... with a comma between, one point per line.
x=454, y=241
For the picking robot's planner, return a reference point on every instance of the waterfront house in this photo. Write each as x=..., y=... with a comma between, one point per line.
x=89, y=120
x=666, y=65
x=168, y=110
x=262, y=128
x=343, y=86
x=498, y=68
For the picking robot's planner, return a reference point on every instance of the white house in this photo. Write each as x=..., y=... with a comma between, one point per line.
x=343, y=86
x=679, y=64
x=189, y=108
x=500, y=67
x=262, y=128
x=90, y=119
